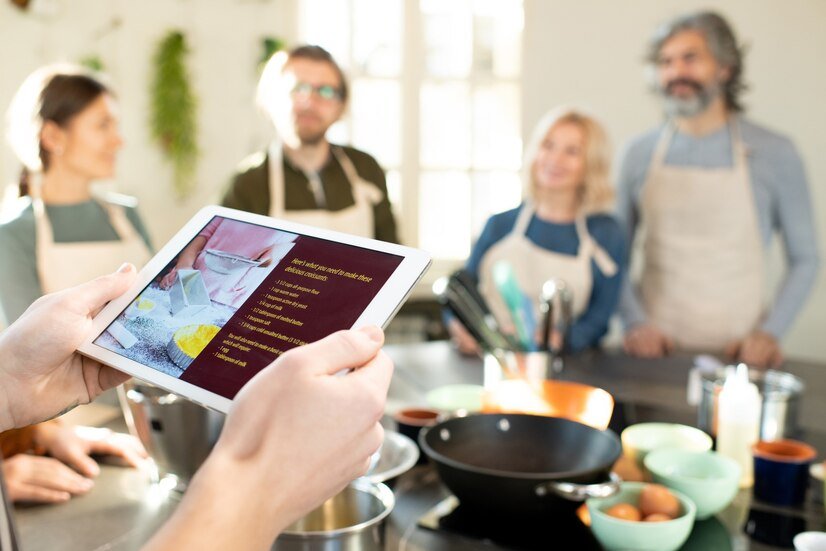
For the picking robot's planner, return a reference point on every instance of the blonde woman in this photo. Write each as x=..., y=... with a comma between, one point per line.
x=563, y=229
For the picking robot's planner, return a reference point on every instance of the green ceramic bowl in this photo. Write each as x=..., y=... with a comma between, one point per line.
x=709, y=479
x=456, y=398
x=618, y=534
x=638, y=440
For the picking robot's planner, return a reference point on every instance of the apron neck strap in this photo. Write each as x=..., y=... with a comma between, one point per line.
x=41, y=221
x=588, y=246
x=346, y=164
x=117, y=217
x=739, y=150
x=275, y=158
x=523, y=219
x=362, y=191
x=667, y=133
x=582, y=229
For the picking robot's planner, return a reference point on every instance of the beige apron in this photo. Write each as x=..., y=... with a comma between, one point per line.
x=62, y=265
x=534, y=265
x=703, y=260
x=356, y=220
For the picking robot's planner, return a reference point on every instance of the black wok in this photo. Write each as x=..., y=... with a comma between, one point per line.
x=515, y=465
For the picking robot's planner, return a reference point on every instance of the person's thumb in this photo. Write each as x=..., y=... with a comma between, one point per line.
x=96, y=293
x=341, y=350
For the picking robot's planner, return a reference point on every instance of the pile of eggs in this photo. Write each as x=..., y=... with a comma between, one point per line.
x=656, y=504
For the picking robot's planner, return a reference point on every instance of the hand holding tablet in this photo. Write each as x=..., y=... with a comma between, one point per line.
x=42, y=375
x=285, y=447
x=233, y=291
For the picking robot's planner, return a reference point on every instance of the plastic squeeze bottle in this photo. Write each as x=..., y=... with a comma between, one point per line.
x=738, y=421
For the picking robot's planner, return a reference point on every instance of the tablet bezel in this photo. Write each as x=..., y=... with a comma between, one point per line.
x=379, y=311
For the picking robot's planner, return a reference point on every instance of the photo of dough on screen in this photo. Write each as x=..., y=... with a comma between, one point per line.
x=197, y=294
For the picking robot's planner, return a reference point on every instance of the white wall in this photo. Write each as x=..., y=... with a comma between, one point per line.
x=590, y=53
x=587, y=52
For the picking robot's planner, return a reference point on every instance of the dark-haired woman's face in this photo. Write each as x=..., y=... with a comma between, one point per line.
x=91, y=140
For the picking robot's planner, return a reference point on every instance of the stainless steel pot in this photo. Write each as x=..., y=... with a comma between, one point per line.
x=177, y=433
x=352, y=520
x=781, y=394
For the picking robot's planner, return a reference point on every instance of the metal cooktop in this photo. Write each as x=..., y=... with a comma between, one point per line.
x=501, y=532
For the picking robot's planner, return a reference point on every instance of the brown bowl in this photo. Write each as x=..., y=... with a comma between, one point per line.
x=787, y=451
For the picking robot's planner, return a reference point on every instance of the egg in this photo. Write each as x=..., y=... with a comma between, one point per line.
x=656, y=498
x=657, y=517
x=584, y=515
x=628, y=470
x=624, y=511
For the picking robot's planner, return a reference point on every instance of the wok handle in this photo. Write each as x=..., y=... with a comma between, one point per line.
x=580, y=492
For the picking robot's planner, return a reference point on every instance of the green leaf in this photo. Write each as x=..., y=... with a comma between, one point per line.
x=92, y=62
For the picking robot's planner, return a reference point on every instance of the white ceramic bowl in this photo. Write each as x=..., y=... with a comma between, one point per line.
x=810, y=541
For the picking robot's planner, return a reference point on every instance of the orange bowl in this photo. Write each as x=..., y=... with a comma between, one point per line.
x=586, y=404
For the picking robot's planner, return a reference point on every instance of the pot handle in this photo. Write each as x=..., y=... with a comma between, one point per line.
x=581, y=492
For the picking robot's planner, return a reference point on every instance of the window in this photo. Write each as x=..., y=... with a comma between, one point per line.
x=436, y=99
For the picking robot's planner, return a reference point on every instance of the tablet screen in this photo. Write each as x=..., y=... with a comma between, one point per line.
x=238, y=296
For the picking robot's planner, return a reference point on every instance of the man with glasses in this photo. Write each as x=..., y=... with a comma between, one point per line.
x=303, y=177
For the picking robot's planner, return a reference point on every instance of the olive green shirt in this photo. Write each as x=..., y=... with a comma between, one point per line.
x=79, y=222
x=250, y=190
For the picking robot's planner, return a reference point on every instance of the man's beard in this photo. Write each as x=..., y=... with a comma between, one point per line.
x=310, y=135
x=690, y=106
x=312, y=139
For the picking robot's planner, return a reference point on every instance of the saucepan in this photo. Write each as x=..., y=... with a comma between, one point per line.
x=515, y=465
x=177, y=433
x=781, y=394
x=352, y=520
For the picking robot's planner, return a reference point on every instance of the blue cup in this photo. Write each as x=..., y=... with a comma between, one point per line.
x=781, y=471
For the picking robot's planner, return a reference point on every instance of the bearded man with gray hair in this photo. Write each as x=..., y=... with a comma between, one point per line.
x=706, y=191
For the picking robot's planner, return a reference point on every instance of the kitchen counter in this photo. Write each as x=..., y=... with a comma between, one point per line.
x=645, y=390
x=124, y=509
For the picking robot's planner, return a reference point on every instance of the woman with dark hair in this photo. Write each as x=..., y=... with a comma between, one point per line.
x=63, y=127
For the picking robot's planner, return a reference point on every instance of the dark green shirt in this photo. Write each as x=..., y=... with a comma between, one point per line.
x=250, y=190
x=80, y=222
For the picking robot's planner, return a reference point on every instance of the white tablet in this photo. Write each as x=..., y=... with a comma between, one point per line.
x=232, y=291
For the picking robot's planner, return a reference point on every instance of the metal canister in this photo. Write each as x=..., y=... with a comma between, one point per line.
x=177, y=434
x=781, y=394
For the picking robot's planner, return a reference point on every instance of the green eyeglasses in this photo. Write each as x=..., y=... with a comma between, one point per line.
x=325, y=91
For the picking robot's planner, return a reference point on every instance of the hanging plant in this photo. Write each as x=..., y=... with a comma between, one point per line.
x=269, y=45
x=173, y=111
x=92, y=62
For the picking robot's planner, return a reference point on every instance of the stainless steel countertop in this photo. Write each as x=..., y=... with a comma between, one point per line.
x=124, y=509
